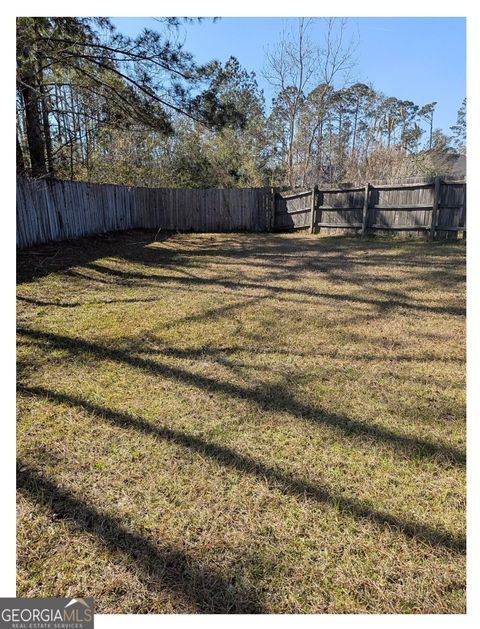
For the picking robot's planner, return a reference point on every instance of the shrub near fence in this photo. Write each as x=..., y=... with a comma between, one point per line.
x=58, y=210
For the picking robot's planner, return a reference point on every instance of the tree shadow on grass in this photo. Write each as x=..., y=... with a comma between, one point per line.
x=391, y=300
x=78, y=304
x=218, y=354
x=170, y=569
x=282, y=258
x=257, y=250
x=271, y=399
x=276, y=478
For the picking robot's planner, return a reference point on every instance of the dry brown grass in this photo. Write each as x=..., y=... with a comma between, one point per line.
x=243, y=423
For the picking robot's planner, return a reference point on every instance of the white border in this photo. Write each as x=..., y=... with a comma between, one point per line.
x=7, y=313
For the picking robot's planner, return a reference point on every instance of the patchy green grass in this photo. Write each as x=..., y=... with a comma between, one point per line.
x=243, y=423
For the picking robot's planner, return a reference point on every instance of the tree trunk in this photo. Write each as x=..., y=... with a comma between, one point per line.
x=87, y=144
x=308, y=156
x=45, y=106
x=33, y=126
x=291, y=134
x=46, y=130
x=354, y=138
x=20, y=160
x=340, y=143
x=320, y=152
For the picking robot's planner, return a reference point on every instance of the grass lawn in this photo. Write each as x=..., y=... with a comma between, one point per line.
x=243, y=423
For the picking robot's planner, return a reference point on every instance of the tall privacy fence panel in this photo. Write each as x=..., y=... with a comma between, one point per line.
x=59, y=210
x=203, y=210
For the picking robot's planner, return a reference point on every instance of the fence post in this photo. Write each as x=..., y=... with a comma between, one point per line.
x=272, y=211
x=436, y=197
x=464, y=212
x=312, y=209
x=319, y=208
x=365, y=208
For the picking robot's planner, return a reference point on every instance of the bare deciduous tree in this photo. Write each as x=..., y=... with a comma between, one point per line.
x=302, y=73
x=290, y=68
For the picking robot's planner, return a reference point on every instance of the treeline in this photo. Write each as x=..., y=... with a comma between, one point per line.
x=95, y=105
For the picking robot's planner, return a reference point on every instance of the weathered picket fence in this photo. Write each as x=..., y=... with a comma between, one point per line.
x=436, y=206
x=59, y=210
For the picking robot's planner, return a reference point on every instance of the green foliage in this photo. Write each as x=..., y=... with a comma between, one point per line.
x=83, y=76
x=460, y=128
x=93, y=104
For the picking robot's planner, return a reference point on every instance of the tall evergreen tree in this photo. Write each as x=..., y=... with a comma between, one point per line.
x=61, y=62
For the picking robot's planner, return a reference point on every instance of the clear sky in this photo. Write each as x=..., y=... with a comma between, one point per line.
x=411, y=58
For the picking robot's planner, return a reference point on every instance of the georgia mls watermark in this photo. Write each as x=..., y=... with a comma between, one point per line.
x=46, y=613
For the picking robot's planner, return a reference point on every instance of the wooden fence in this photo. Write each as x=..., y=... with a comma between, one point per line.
x=59, y=210
x=435, y=206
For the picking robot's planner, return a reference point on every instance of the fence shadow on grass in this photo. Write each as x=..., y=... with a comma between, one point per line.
x=276, y=478
x=56, y=257
x=170, y=569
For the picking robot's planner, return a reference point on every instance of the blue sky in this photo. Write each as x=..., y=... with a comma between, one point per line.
x=412, y=58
